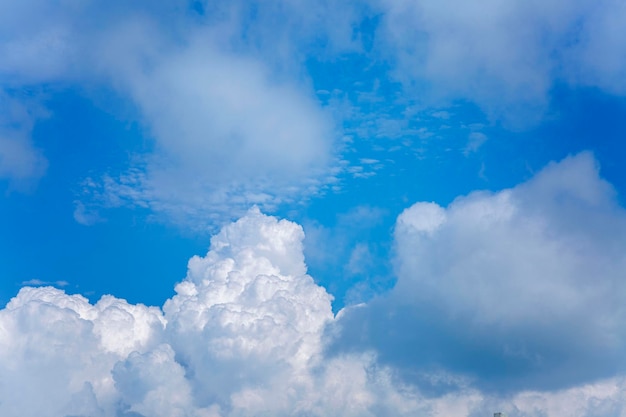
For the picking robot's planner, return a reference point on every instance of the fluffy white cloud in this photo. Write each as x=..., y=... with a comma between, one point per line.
x=57, y=351
x=546, y=252
x=245, y=335
x=242, y=336
x=519, y=289
x=251, y=302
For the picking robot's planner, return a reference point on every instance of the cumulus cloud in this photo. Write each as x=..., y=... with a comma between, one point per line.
x=57, y=350
x=519, y=288
x=252, y=301
x=242, y=336
x=247, y=334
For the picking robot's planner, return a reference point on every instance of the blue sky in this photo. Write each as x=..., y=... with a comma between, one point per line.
x=417, y=207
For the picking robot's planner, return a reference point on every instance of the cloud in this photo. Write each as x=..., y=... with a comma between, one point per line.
x=57, y=350
x=224, y=94
x=475, y=141
x=504, y=56
x=251, y=302
x=226, y=134
x=517, y=289
x=38, y=282
x=228, y=131
x=242, y=336
x=20, y=161
x=227, y=126
x=85, y=216
x=247, y=334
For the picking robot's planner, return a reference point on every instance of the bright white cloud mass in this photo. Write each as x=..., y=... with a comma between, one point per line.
x=531, y=275
x=457, y=169
x=529, y=281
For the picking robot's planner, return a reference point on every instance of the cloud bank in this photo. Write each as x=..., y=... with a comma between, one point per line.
x=505, y=301
x=242, y=336
x=520, y=289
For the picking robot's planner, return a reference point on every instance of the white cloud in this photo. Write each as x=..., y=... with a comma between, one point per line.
x=598, y=59
x=251, y=303
x=38, y=282
x=56, y=351
x=505, y=56
x=245, y=335
x=19, y=160
x=518, y=289
x=231, y=126
x=227, y=134
x=85, y=216
x=360, y=259
x=545, y=251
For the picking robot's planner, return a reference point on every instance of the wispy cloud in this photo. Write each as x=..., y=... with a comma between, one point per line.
x=38, y=283
x=228, y=129
x=20, y=161
x=506, y=59
x=225, y=97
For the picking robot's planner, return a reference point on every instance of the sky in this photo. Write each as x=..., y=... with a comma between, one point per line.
x=312, y=208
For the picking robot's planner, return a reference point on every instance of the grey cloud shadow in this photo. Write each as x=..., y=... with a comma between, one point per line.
x=420, y=342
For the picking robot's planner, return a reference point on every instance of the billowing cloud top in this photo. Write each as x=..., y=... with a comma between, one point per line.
x=243, y=336
x=519, y=289
x=524, y=281
x=507, y=300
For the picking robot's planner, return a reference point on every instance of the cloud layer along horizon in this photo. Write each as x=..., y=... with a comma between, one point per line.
x=523, y=281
